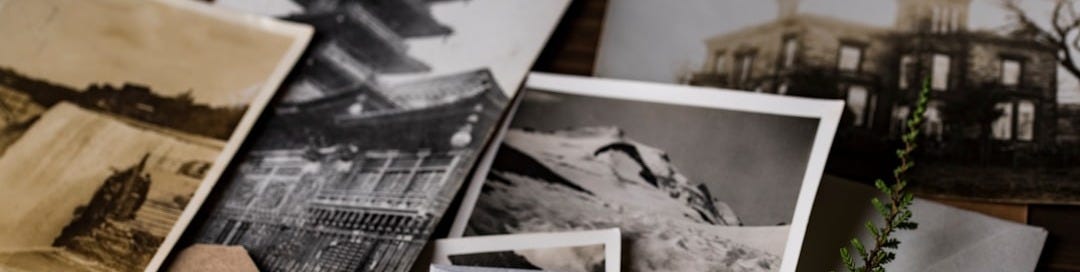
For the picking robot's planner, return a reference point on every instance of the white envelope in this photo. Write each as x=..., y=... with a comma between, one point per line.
x=948, y=239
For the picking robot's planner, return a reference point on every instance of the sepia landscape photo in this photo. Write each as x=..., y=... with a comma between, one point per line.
x=370, y=139
x=1001, y=125
x=108, y=126
x=690, y=188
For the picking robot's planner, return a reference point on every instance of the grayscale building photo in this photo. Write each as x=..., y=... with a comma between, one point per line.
x=996, y=126
x=350, y=173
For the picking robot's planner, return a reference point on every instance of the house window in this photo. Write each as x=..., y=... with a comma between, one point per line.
x=719, y=61
x=955, y=18
x=935, y=19
x=933, y=124
x=906, y=63
x=746, y=66
x=940, y=80
x=1010, y=72
x=1025, y=120
x=1016, y=122
x=791, y=47
x=1002, y=126
x=899, y=119
x=857, y=101
x=850, y=57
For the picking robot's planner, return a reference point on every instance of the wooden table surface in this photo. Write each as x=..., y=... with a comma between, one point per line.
x=572, y=49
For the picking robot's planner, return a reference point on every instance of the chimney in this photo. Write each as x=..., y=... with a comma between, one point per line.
x=787, y=8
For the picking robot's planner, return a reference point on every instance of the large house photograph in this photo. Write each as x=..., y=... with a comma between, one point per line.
x=993, y=116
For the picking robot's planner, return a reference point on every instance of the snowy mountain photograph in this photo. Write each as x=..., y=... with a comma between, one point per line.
x=691, y=188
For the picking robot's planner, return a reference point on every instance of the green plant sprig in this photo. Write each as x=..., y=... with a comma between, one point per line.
x=896, y=212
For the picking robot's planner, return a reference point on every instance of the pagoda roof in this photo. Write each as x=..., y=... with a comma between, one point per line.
x=440, y=90
x=326, y=123
x=408, y=18
x=365, y=39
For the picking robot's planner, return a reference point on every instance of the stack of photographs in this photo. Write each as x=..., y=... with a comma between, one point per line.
x=120, y=116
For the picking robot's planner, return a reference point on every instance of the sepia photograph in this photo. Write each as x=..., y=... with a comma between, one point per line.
x=373, y=134
x=724, y=176
x=1004, y=112
x=570, y=251
x=111, y=134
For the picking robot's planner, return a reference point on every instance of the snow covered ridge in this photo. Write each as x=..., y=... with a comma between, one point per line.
x=606, y=151
x=597, y=177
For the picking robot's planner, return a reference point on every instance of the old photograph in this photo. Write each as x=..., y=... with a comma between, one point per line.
x=572, y=251
x=375, y=131
x=462, y=268
x=722, y=175
x=1002, y=123
x=112, y=134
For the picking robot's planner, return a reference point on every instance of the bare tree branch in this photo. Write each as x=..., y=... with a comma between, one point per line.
x=1064, y=34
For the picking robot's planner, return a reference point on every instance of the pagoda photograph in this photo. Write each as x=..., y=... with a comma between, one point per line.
x=375, y=131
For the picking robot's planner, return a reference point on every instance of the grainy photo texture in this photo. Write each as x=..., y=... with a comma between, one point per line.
x=570, y=251
x=1003, y=122
x=566, y=259
x=375, y=131
x=691, y=188
x=112, y=114
x=462, y=268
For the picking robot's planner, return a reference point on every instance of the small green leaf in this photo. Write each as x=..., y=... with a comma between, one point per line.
x=859, y=247
x=845, y=256
x=884, y=211
x=880, y=184
x=891, y=243
x=907, y=225
x=873, y=229
x=908, y=199
x=905, y=216
x=899, y=186
x=887, y=258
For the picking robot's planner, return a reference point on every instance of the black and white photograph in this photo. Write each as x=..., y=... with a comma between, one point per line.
x=568, y=259
x=376, y=129
x=571, y=251
x=696, y=179
x=462, y=268
x=113, y=133
x=1003, y=121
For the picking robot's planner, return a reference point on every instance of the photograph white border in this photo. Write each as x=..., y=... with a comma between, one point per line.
x=610, y=238
x=301, y=34
x=827, y=112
